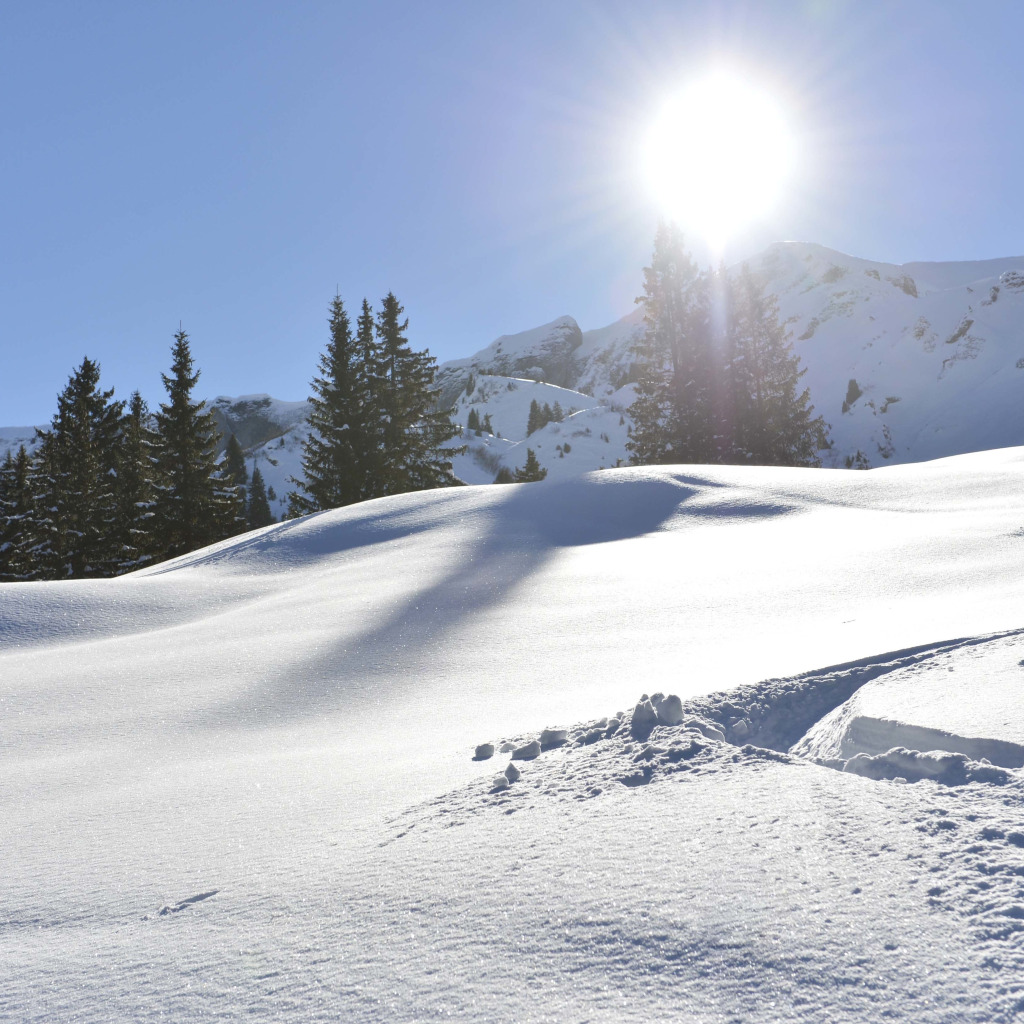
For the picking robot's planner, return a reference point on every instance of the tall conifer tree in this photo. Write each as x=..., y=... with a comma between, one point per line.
x=415, y=435
x=258, y=511
x=334, y=452
x=192, y=508
x=15, y=515
x=135, y=490
x=73, y=479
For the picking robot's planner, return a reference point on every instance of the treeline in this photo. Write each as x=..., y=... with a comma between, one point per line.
x=110, y=487
x=717, y=379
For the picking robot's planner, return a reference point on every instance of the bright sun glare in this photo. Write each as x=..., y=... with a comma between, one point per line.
x=718, y=155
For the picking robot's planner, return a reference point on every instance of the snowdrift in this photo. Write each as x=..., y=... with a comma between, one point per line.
x=252, y=781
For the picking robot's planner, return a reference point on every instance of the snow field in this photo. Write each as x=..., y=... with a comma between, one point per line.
x=288, y=721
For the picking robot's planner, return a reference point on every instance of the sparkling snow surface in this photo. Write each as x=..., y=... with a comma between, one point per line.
x=243, y=783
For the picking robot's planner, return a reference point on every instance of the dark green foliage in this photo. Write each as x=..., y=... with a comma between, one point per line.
x=722, y=388
x=135, y=490
x=415, y=431
x=470, y=385
x=259, y=513
x=271, y=493
x=473, y=421
x=15, y=516
x=335, y=453
x=533, y=419
x=531, y=471
x=505, y=476
x=72, y=531
x=673, y=418
x=375, y=425
x=853, y=392
x=233, y=471
x=771, y=415
x=486, y=425
x=192, y=507
x=541, y=415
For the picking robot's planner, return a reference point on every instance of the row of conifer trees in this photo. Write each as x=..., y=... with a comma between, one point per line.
x=109, y=487
x=718, y=379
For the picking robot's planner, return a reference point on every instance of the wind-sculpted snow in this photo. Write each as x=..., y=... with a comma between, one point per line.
x=273, y=741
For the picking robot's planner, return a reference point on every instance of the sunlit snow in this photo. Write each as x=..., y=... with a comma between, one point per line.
x=249, y=782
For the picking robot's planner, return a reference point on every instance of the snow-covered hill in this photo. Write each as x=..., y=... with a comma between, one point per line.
x=252, y=782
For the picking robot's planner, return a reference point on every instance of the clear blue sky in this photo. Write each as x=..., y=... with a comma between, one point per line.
x=229, y=165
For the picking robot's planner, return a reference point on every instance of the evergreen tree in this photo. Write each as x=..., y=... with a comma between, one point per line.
x=531, y=471
x=772, y=416
x=191, y=507
x=336, y=451
x=15, y=515
x=135, y=490
x=233, y=470
x=505, y=476
x=415, y=432
x=473, y=421
x=672, y=414
x=259, y=513
x=486, y=426
x=535, y=417
x=556, y=413
x=73, y=478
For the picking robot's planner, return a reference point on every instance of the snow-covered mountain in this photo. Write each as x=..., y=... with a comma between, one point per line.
x=392, y=762
x=906, y=363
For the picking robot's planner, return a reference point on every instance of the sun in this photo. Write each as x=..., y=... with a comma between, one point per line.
x=718, y=155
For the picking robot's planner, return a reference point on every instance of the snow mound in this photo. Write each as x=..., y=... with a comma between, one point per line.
x=968, y=702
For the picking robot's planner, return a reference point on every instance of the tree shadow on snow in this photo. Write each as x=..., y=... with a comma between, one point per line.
x=526, y=528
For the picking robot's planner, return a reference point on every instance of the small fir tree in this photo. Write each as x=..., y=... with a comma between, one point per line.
x=259, y=513
x=531, y=471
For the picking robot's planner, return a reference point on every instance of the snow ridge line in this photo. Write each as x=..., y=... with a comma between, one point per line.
x=775, y=713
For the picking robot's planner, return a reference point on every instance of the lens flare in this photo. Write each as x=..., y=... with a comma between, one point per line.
x=718, y=156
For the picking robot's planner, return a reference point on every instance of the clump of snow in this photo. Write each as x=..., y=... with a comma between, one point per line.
x=527, y=752
x=512, y=773
x=483, y=752
x=552, y=738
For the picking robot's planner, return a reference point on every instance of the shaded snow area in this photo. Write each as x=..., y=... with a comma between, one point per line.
x=716, y=744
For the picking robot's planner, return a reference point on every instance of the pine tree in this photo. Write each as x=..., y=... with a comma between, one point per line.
x=772, y=416
x=233, y=469
x=672, y=414
x=531, y=471
x=336, y=450
x=73, y=477
x=473, y=421
x=486, y=426
x=135, y=490
x=191, y=508
x=535, y=418
x=416, y=455
x=15, y=513
x=557, y=415
x=259, y=513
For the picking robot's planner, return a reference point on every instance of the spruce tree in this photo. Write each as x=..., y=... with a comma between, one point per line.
x=73, y=478
x=672, y=414
x=416, y=455
x=233, y=469
x=15, y=515
x=135, y=490
x=334, y=453
x=473, y=421
x=259, y=513
x=531, y=471
x=192, y=508
x=772, y=416
x=535, y=417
